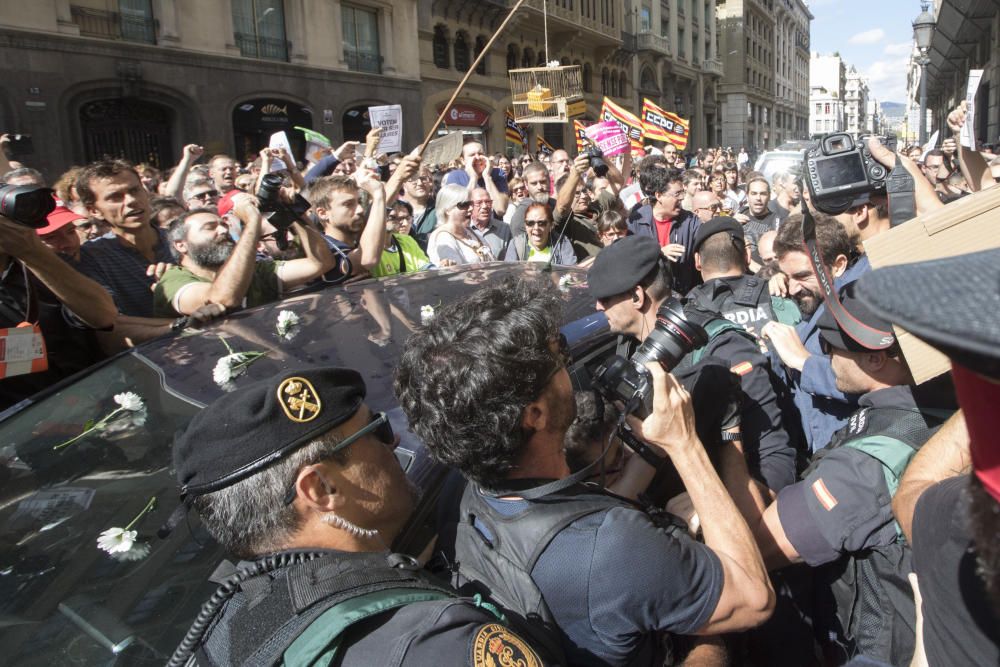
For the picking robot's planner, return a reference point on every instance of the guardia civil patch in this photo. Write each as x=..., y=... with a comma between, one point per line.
x=496, y=646
x=299, y=400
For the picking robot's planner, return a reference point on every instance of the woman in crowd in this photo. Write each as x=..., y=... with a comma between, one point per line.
x=535, y=244
x=454, y=242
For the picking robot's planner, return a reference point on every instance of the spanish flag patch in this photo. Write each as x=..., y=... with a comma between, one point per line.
x=742, y=368
x=826, y=499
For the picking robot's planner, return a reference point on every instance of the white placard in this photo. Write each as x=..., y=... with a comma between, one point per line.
x=390, y=119
x=630, y=196
x=968, y=136
x=279, y=140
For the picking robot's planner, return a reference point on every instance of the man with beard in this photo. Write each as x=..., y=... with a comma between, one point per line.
x=214, y=269
x=823, y=407
x=354, y=235
x=296, y=473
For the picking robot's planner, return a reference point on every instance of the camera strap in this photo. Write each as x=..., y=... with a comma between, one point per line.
x=900, y=188
x=866, y=336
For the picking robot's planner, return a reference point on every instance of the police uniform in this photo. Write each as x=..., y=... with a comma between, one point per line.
x=840, y=515
x=770, y=453
x=319, y=606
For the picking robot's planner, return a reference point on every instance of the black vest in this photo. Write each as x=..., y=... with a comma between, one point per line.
x=865, y=598
x=744, y=301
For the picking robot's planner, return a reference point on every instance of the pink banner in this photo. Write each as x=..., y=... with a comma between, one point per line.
x=609, y=137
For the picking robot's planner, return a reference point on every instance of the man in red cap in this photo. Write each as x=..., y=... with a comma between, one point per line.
x=60, y=233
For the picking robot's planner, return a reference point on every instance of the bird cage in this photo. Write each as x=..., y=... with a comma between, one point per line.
x=546, y=94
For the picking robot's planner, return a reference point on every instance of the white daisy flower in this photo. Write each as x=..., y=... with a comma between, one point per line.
x=287, y=321
x=129, y=401
x=138, y=551
x=426, y=314
x=116, y=540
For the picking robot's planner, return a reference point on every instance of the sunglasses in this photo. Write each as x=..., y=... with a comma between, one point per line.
x=379, y=426
x=536, y=223
x=465, y=205
x=208, y=194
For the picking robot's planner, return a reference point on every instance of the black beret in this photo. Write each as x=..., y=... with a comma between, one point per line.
x=253, y=427
x=622, y=265
x=717, y=225
x=835, y=336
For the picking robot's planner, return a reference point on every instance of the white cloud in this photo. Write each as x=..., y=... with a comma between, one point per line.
x=887, y=79
x=900, y=49
x=873, y=36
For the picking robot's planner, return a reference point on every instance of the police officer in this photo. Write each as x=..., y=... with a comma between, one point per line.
x=298, y=475
x=720, y=255
x=839, y=516
x=630, y=281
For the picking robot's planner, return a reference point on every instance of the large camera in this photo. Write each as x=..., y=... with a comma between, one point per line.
x=28, y=205
x=628, y=381
x=838, y=170
x=596, y=157
x=278, y=213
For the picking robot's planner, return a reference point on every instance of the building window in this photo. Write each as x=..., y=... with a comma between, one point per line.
x=528, y=58
x=361, y=47
x=623, y=85
x=480, y=45
x=133, y=22
x=605, y=90
x=645, y=19
x=826, y=108
x=588, y=75
x=259, y=27
x=461, y=52
x=442, y=59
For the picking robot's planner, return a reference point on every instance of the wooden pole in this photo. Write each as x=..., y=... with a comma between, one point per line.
x=461, y=84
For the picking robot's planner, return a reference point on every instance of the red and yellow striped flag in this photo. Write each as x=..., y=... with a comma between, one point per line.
x=661, y=125
x=544, y=146
x=629, y=122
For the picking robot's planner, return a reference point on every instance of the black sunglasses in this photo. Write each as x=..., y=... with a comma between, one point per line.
x=465, y=205
x=379, y=426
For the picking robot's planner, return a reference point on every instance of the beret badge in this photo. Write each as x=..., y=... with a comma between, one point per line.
x=299, y=400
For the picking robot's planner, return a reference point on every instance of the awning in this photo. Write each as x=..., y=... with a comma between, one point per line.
x=961, y=25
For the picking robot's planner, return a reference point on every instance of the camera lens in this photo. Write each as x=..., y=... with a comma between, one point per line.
x=671, y=338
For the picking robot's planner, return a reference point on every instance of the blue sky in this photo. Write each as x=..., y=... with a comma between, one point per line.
x=873, y=35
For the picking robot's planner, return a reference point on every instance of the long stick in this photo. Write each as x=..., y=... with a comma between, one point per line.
x=461, y=84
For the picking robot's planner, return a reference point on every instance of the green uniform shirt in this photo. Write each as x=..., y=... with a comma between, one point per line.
x=264, y=287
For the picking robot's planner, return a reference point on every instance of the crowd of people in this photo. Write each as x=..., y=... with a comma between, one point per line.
x=772, y=507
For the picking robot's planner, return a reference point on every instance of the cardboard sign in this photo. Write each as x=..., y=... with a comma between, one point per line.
x=609, y=137
x=444, y=149
x=22, y=351
x=279, y=140
x=966, y=225
x=390, y=119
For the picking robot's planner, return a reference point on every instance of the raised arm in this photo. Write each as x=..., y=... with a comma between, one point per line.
x=85, y=298
x=564, y=198
x=372, y=241
x=317, y=261
x=175, y=186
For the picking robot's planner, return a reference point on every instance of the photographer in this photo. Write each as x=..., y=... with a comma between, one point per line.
x=38, y=288
x=573, y=213
x=486, y=387
x=215, y=269
x=630, y=283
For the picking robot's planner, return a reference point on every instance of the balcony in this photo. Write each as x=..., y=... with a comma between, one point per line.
x=258, y=46
x=713, y=67
x=128, y=27
x=647, y=40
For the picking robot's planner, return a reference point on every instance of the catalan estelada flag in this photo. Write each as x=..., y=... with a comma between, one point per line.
x=630, y=123
x=544, y=146
x=580, y=129
x=514, y=133
x=661, y=125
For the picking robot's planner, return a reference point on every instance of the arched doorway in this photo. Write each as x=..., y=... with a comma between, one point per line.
x=356, y=124
x=254, y=121
x=129, y=128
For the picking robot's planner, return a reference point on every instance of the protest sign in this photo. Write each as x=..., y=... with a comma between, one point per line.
x=444, y=149
x=279, y=140
x=968, y=134
x=390, y=119
x=608, y=136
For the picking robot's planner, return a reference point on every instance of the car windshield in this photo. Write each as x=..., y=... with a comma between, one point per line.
x=68, y=600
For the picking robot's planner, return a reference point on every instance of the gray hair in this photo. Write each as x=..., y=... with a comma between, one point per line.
x=250, y=517
x=21, y=172
x=194, y=183
x=448, y=198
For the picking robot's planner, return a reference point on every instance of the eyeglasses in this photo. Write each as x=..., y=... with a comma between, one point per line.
x=419, y=179
x=483, y=202
x=465, y=205
x=675, y=193
x=536, y=223
x=379, y=426
x=713, y=207
x=207, y=194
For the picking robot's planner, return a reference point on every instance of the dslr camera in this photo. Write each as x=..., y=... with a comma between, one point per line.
x=278, y=213
x=837, y=170
x=27, y=205
x=628, y=381
x=596, y=157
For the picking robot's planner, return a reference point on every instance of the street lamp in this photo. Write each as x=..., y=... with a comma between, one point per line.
x=923, y=31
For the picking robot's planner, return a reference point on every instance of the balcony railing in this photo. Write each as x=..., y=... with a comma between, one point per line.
x=713, y=67
x=647, y=40
x=114, y=25
x=363, y=62
x=258, y=46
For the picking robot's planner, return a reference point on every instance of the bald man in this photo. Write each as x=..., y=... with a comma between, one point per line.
x=705, y=205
